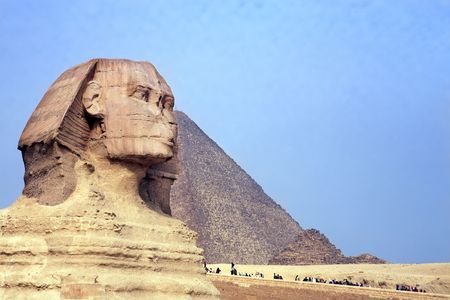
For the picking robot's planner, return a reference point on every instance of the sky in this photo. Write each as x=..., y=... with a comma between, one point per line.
x=338, y=109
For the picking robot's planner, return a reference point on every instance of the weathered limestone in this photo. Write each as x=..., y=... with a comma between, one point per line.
x=93, y=221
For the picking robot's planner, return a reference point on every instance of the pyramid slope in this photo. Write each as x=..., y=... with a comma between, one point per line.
x=236, y=221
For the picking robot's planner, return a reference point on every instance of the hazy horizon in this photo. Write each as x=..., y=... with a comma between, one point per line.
x=338, y=109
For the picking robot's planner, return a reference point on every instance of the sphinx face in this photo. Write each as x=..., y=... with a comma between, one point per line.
x=136, y=108
x=112, y=108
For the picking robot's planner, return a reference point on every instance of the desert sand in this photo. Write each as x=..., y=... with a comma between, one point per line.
x=434, y=278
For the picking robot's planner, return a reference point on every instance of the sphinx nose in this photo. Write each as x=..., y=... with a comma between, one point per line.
x=169, y=116
x=154, y=109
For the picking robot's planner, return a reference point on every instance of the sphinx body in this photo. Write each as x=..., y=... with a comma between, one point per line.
x=93, y=221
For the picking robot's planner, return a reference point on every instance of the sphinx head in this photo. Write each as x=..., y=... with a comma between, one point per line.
x=130, y=110
x=120, y=109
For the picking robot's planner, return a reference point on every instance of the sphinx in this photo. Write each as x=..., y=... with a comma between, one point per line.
x=93, y=221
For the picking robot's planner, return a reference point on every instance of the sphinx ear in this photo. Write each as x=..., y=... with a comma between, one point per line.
x=92, y=100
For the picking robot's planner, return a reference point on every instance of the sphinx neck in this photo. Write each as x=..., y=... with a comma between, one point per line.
x=117, y=177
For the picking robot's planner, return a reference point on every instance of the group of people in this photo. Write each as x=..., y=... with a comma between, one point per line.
x=333, y=281
x=277, y=276
x=346, y=282
x=310, y=279
x=398, y=287
x=403, y=287
x=210, y=270
x=234, y=272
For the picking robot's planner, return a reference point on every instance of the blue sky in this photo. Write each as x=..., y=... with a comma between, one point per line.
x=339, y=109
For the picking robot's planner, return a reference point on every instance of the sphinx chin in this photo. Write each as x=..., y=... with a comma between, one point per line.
x=145, y=151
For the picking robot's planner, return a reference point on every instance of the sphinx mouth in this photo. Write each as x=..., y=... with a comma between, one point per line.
x=163, y=140
x=167, y=141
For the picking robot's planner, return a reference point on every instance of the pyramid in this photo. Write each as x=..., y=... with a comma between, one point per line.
x=235, y=220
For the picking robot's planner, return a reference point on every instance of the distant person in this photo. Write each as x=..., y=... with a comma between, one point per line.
x=218, y=270
x=233, y=269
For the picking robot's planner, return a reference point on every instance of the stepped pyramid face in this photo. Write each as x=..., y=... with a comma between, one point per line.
x=313, y=248
x=235, y=220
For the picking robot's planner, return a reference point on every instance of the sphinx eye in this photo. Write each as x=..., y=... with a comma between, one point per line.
x=168, y=103
x=141, y=93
